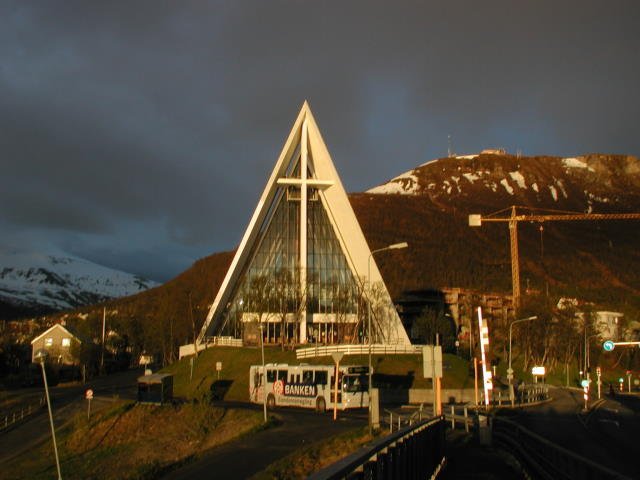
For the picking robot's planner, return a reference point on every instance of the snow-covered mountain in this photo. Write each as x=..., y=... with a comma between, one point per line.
x=586, y=183
x=38, y=281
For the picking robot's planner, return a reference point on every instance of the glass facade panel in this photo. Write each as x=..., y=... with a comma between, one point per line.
x=270, y=286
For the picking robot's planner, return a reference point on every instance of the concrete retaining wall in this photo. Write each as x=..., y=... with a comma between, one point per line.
x=425, y=395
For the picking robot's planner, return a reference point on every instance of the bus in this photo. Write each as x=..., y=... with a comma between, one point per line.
x=309, y=386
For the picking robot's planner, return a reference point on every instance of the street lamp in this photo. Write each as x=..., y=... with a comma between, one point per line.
x=264, y=376
x=395, y=246
x=510, y=370
x=41, y=356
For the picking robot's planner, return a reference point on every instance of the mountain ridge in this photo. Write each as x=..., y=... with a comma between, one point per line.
x=51, y=281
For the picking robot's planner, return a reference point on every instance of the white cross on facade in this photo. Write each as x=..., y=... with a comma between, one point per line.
x=304, y=182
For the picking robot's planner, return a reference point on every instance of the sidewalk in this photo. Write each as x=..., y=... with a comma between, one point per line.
x=467, y=459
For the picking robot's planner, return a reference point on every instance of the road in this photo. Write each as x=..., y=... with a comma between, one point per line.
x=66, y=401
x=606, y=434
x=251, y=454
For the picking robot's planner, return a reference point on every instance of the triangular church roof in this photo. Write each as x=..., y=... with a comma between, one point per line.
x=305, y=146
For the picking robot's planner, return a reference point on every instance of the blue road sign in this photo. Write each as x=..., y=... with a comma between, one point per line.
x=608, y=346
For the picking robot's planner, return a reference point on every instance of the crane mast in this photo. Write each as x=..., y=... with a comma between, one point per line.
x=476, y=220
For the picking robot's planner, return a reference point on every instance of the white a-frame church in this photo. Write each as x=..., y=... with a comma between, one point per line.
x=303, y=271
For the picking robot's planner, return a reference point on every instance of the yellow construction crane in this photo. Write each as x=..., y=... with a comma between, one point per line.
x=476, y=220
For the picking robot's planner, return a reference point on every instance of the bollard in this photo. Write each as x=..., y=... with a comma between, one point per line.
x=453, y=418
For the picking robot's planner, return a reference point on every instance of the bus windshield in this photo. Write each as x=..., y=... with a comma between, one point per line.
x=356, y=383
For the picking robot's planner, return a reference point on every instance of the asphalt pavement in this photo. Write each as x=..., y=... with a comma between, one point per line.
x=607, y=433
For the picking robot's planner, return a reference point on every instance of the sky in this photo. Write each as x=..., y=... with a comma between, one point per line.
x=140, y=134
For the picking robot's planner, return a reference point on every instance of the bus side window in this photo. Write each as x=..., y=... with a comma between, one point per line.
x=321, y=377
x=271, y=376
x=282, y=375
x=307, y=377
x=256, y=379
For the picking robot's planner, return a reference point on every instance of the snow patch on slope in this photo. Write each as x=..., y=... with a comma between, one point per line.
x=62, y=281
x=472, y=177
x=506, y=186
x=576, y=163
x=405, y=184
x=518, y=178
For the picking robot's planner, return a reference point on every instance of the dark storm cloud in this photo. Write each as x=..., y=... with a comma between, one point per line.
x=142, y=133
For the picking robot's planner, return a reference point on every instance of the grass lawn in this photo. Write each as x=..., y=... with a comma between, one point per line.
x=395, y=371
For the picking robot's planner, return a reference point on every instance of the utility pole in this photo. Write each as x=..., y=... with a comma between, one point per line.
x=104, y=322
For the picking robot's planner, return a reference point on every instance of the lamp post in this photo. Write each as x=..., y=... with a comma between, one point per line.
x=510, y=370
x=41, y=356
x=264, y=376
x=395, y=246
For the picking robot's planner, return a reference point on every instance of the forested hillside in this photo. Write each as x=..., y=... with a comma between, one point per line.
x=428, y=207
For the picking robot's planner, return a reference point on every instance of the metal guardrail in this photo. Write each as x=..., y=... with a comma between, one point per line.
x=525, y=395
x=9, y=419
x=545, y=458
x=358, y=349
x=454, y=415
x=415, y=452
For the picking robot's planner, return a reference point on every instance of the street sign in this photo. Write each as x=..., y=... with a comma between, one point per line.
x=432, y=361
x=218, y=366
x=608, y=346
x=88, y=395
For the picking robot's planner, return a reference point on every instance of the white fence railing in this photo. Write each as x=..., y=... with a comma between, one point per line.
x=358, y=349
x=186, y=350
x=18, y=414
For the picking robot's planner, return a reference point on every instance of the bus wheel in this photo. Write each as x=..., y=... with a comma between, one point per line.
x=321, y=405
x=271, y=402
